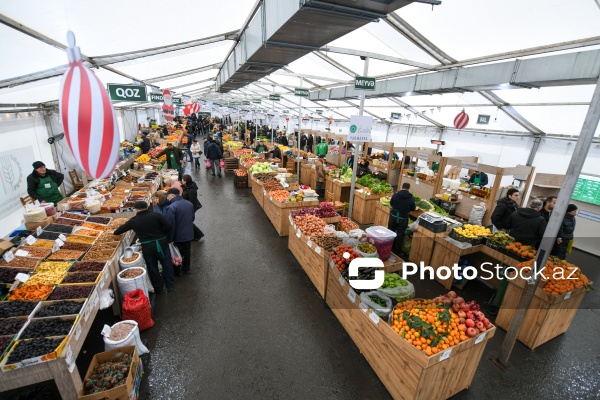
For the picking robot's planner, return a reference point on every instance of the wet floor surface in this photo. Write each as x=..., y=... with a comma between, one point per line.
x=247, y=323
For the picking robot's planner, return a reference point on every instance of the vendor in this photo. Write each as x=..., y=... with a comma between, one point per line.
x=174, y=157
x=363, y=168
x=435, y=166
x=42, y=184
x=275, y=153
x=479, y=179
x=145, y=145
x=260, y=147
x=322, y=148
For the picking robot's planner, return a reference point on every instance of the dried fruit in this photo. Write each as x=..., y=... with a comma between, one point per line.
x=59, y=228
x=58, y=308
x=66, y=255
x=26, y=349
x=46, y=244
x=47, y=327
x=67, y=292
x=120, y=331
x=36, y=252
x=20, y=262
x=131, y=273
x=87, y=266
x=81, y=239
x=17, y=308
x=7, y=274
x=48, y=235
x=11, y=326
x=31, y=292
x=99, y=220
x=81, y=277
x=68, y=222
x=53, y=266
x=75, y=246
x=75, y=216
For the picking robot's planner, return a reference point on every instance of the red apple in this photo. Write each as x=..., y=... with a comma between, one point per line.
x=462, y=314
x=470, y=323
x=479, y=325
x=471, y=332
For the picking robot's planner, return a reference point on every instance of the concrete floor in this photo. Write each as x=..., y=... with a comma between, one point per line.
x=247, y=323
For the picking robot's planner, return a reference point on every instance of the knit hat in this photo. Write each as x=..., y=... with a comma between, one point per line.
x=571, y=207
x=38, y=164
x=173, y=191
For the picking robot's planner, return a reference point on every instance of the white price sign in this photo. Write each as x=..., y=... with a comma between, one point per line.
x=317, y=249
x=21, y=253
x=298, y=234
x=309, y=243
x=62, y=237
x=271, y=198
x=480, y=338
x=342, y=281
x=59, y=242
x=38, y=230
x=30, y=240
x=445, y=354
x=352, y=295
x=22, y=277
x=363, y=306
x=78, y=331
x=374, y=317
x=568, y=295
x=8, y=256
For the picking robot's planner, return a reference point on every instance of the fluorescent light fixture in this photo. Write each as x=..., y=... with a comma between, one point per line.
x=504, y=85
x=408, y=93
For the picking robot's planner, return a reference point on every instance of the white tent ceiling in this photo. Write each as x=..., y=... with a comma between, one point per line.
x=455, y=32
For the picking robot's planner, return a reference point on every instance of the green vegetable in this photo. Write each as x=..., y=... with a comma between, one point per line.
x=393, y=280
x=378, y=300
x=377, y=186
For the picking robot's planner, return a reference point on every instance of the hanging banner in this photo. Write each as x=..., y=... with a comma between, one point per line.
x=136, y=93
x=360, y=128
x=300, y=92
x=364, y=83
x=156, y=97
x=167, y=107
x=177, y=101
x=274, y=97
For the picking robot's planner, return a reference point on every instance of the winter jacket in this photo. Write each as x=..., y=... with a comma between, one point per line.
x=162, y=208
x=145, y=145
x=320, y=171
x=303, y=140
x=546, y=214
x=190, y=193
x=504, y=208
x=322, y=149
x=148, y=226
x=178, y=157
x=527, y=226
x=275, y=153
x=206, y=144
x=483, y=179
x=567, y=228
x=403, y=203
x=196, y=150
x=284, y=141
x=33, y=181
x=214, y=152
x=181, y=215
x=310, y=141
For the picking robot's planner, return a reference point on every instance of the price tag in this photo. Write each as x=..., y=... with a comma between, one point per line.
x=104, y=279
x=96, y=299
x=445, y=354
x=352, y=295
x=110, y=195
x=55, y=248
x=374, y=317
x=568, y=295
x=21, y=253
x=291, y=220
x=271, y=198
x=59, y=242
x=78, y=331
x=62, y=237
x=317, y=249
x=69, y=358
x=30, y=240
x=417, y=181
x=38, y=230
x=298, y=234
x=22, y=277
x=331, y=264
x=8, y=256
x=264, y=192
x=480, y=338
x=309, y=243
x=106, y=331
x=126, y=191
x=460, y=196
x=87, y=311
x=342, y=281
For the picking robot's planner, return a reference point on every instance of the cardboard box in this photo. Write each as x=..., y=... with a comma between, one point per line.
x=5, y=245
x=32, y=226
x=122, y=392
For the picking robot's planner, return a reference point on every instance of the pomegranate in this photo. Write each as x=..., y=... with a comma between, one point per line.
x=479, y=325
x=462, y=314
x=451, y=294
x=483, y=329
x=458, y=300
x=461, y=320
x=455, y=308
x=470, y=323
x=471, y=332
x=465, y=307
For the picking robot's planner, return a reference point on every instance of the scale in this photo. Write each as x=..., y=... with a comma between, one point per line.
x=433, y=222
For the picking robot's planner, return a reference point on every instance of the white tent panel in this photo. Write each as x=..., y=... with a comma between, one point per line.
x=474, y=28
x=557, y=119
x=187, y=79
x=379, y=67
x=366, y=40
x=197, y=86
x=34, y=92
x=314, y=65
x=562, y=94
x=457, y=99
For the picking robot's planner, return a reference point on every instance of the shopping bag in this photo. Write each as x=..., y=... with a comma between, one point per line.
x=175, y=255
x=570, y=246
x=208, y=164
x=137, y=307
x=222, y=164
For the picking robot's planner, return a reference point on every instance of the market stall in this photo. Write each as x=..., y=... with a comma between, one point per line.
x=374, y=152
x=337, y=154
x=545, y=185
x=367, y=195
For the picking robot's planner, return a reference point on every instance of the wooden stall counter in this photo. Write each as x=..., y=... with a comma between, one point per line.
x=258, y=191
x=279, y=213
x=311, y=257
x=340, y=190
x=365, y=205
x=423, y=245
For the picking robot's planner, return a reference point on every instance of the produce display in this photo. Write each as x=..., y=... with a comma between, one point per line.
x=272, y=186
x=131, y=273
x=310, y=225
x=75, y=246
x=31, y=292
x=347, y=225
x=81, y=277
x=48, y=235
x=59, y=228
x=343, y=174
x=80, y=239
x=385, y=201
x=11, y=326
x=522, y=250
x=326, y=210
x=25, y=349
x=280, y=195
x=120, y=331
x=74, y=216
x=240, y=172
x=327, y=242
x=35, y=252
x=427, y=205
x=85, y=266
x=93, y=254
x=99, y=220
x=87, y=232
x=341, y=262
x=9, y=309
x=58, y=308
x=499, y=239
x=68, y=292
x=96, y=227
x=108, y=375
x=261, y=168
x=66, y=255
x=367, y=248
x=473, y=231
x=47, y=327
x=20, y=262
x=53, y=266
x=7, y=274
x=559, y=276
x=69, y=222
x=374, y=185
x=43, y=243
x=393, y=280
x=117, y=222
x=4, y=342
x=45, y=278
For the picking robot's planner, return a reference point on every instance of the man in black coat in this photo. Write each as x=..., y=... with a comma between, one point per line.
x=43, y=183
x=309, y=143
x=402, y=203
x=153, y=230
x=527, y=225
x=214, y=154
x=145, y=145
x=504, y=208
x=303, y=140
x=565, y=233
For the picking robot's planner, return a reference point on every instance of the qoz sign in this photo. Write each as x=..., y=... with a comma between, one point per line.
x=364, y=83
x=127, y=93
x=483, y=119
x=360, y=128
x=177, y=101
x=301, y=92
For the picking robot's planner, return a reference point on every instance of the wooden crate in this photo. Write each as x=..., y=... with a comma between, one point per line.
x=329, y=196
x=307, y=175
x=547, y=317
x=364, y=206
x=258, y=191
x=340, y=190
x=278, y=213
x=328, y=184
x=382, y=215
x=406, y=372
x=310, y=258
x=423, y=243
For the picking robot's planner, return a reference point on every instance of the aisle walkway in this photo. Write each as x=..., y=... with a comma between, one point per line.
x=248, y=324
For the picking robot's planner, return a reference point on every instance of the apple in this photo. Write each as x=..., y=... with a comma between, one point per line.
x=451, y=294
x=470, y=323
x=471, y=332
x=462, y=314
x=479, y=325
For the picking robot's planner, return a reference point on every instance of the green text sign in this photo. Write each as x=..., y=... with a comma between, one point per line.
x=320, y=112
x=364, y=83
x=274, y=97
x=257, y=101
x=177, y=101
x=301, y=92
x=127, y=92
x=156, y=97
x=396, y=116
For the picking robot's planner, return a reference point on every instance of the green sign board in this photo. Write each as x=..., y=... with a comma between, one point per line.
x=588, y=190
x=483, y=119
x=177, y=101
x=301, y=92
x=156, y=97
x=396, y=116
x=320, y=112
x=204, y=114
x=257, y=101
x=364, y=83
x=119, y=92
x=274, y=97
x=245, y=103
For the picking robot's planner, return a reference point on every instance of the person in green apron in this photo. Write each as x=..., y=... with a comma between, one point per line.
x=402, y=203
x=479, y=179
x=174, y=158
x=43, y=183
x=435, y=166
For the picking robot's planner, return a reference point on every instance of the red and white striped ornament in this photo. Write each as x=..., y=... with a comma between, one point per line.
x=191, y=108
x=461, y=120
x=88, y=117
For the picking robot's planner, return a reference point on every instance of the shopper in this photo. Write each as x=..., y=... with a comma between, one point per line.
x=527, y=225
x=165, y=131
x=174, y=157
x=320, y=175
x=402, y=203
x=322, y=148
x=275, y=153
x=160, y=202
x=504, y=208
x=153, y=230
x=565, y=233
x=548, y=206
x=196, y=150
x=309, y=143
x=479, y=179
x=284, y=140
x=145, y=145
x=214, y=154
x=190, y=193
x=303, y=140
x=181, y=215
x=43, y=183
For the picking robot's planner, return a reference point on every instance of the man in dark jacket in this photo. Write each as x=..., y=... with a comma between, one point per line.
x=548, y=206
x=303, y=140
x=402, y=204
x=153, y=230
x=214, y=154
x=181, y=215
x=527, y=225
x=275, y=153
x=174, y=157
x=309, y=143
x=479, y=179
x=565, y=233
x=145, y=145
x=165, y=132
x=43, y=183
x=504, y=208
x=284, y=140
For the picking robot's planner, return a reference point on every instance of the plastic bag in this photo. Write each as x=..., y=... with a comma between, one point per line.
x=329, y=229
x=414, y=226
x=136, y=306
x=106, y=298
x=351, y=241
x=382, y=312
x=176, y=258
x=477, y=213
x=208, y=164
x=399, y=293
x=341, y=234
x=127, y=285
x=222, y=164
x=356, y=233
x=132, y=339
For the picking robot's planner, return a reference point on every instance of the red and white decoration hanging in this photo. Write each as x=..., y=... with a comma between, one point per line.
x=461, y=120
x=191, y=108
x=167, y=107
x=88, y=117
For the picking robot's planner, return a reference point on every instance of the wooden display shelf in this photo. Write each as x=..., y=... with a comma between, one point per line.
x=364, y=206
x=341, y=190
x=548, y=315
x=279, y=213
x=423, y=243
x=382, y=215
x=406, y=372
x=424, y=189
x=307, y=175
x=258, y=191
x=328, y=183
x=312, y=260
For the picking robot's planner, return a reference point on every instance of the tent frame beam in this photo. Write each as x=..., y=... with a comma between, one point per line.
x=397, y=60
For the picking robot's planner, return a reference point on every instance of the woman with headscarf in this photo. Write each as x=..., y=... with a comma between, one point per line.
x=160, y=202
